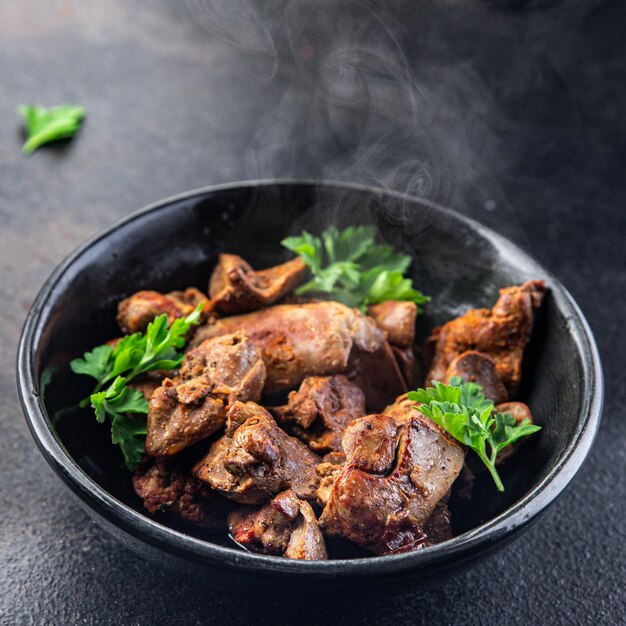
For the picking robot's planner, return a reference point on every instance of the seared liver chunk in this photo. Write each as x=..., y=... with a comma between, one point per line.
x=193, y=405
x=136, y=312
x=285, y=526
x=236, y=288
x=255, y=459
x=500, y=333
x=300, y=340
x=167, y=487
x=320, y=410
x=398, y=468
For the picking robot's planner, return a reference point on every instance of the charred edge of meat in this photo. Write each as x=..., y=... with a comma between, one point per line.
x=167, y=488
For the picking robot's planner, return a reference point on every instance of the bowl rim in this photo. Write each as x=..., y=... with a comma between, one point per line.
x=177, y=543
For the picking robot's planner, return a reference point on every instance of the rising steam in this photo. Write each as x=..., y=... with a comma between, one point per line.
x=424, y=97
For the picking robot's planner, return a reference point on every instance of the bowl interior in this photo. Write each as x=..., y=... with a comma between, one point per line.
x=175, y=245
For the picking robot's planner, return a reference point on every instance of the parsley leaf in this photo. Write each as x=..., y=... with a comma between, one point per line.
x=393, y=286
x=462, y=410
x=49, y=124
x=94, y=363
x=113, y=367
x=350, y=267
x=119, y=402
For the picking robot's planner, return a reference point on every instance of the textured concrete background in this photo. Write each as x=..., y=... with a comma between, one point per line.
x=515, y=117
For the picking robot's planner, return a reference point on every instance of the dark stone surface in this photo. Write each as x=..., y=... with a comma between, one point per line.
x=511, y=112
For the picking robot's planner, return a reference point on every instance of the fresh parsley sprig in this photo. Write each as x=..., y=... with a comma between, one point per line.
x=113, y=367
x=49, y=124
x=120, y=404
x=462, y=410
x=350, y=267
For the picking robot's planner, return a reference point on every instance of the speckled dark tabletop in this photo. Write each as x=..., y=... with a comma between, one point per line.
x=515, y=117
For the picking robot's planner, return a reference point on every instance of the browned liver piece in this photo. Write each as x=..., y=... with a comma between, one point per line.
x=167, y=487
x=478, y=368
x=136, y=312
x=398, y=468
x=320, y=410
x=397, y=319
x=500, y=333
x=237, y=288
x=285, y=526
x=193, y=405
x=255, y=459
x=300, y=340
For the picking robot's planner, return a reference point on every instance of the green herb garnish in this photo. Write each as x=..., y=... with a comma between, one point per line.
x=350, y=267
x=113, y=367
x=49, y=124
x=462, y=410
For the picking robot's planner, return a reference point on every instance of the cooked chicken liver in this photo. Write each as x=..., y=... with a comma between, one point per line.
x=320, y=410
x=500, y=333
x=398, y=468
x=378, y=374
x=193, y=405
x=478, y=368
x=300, y=340
x=135, y=313
x=397, y=319
x=255, y=459
x=236, y=288
x=285, y=526
x=167, y=487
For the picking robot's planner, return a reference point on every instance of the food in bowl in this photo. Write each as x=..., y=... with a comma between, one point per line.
x=289, y=420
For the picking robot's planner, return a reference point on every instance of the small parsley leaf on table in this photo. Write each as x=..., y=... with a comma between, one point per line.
x=44, y=125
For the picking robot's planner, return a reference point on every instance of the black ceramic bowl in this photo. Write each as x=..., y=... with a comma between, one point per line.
x=174, y=244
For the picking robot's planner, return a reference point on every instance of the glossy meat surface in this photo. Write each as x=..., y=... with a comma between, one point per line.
x=397, y=319
x=167, y=487
x=501, y=333
x=478, y=368
x=320, y=410
x=285, y=526
x=255, y=459
x=136, y=312
x=193, y=405
x=300, y=340
x=237, y=288
x=398, y=468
